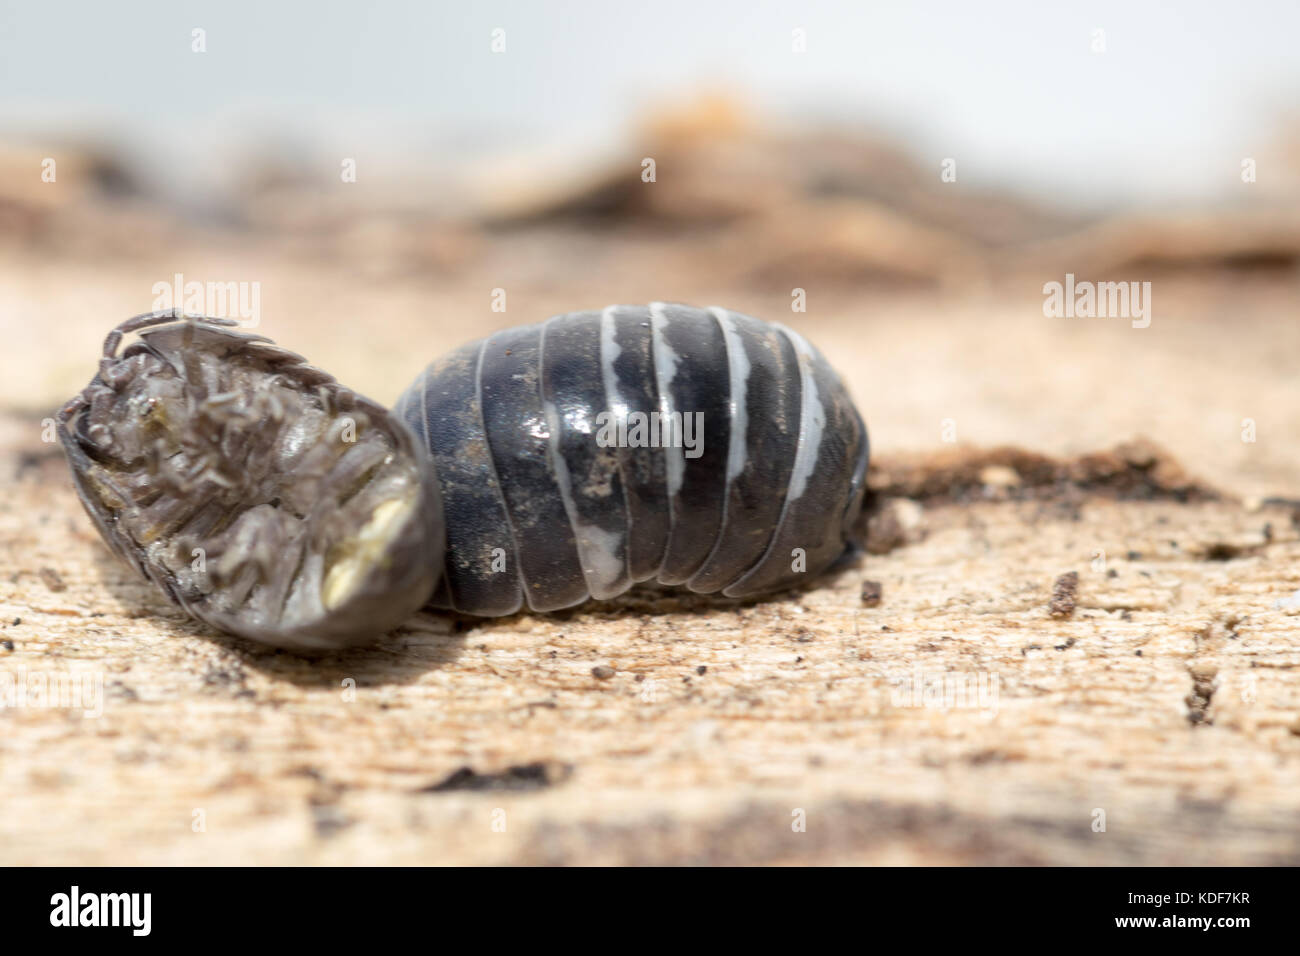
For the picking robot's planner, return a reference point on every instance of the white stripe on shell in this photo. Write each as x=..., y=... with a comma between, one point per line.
x=812, y=417
x=738, y=365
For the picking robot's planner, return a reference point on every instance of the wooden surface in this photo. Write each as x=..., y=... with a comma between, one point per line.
x=1166, y=696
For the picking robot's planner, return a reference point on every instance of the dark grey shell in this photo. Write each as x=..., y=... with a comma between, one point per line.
x=545, y=507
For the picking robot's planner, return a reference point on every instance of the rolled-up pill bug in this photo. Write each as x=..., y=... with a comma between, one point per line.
x=560, y=461
x=258, y=493
x=695, y=447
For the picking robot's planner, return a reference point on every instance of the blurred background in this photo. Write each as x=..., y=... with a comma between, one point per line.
x=380, y=182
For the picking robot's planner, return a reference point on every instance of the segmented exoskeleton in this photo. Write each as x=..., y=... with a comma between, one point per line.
x=551, y=496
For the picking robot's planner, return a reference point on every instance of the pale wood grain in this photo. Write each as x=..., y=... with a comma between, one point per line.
x=798, y=708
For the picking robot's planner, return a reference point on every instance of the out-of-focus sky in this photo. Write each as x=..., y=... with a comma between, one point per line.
x=1013, y=90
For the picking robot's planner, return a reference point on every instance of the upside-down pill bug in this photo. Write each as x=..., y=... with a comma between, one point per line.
x=259, y=494
x=565, y=461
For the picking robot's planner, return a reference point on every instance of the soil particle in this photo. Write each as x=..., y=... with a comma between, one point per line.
x=52, y=579
x=523, y=777
x=871, y=593
x=1063, y=594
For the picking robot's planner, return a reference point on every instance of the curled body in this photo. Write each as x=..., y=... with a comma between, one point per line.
x=694, y=447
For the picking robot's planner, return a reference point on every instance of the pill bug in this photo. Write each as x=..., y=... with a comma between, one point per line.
x=532, y=467
x=539, y=467
x=259, y=494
